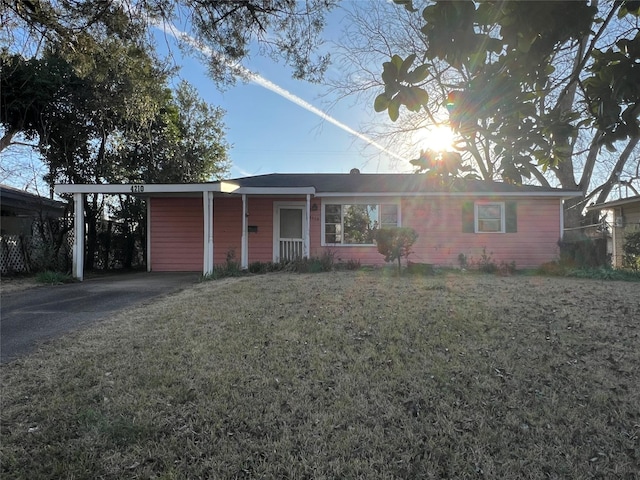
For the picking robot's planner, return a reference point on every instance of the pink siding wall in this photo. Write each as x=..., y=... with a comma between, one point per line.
x=261, y=215
x=438, y=222
x=176, y=234
x=227, y=225
x=227, y=228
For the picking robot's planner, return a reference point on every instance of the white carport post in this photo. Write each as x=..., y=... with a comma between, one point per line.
x=207, y=198
x=244, y=245
x=306, y=251
x=78, y=235
x=148, y=202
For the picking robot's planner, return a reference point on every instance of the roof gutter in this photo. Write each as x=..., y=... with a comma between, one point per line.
x=563, y=195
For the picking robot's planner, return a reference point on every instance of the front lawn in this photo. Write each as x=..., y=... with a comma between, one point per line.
x=339, y=375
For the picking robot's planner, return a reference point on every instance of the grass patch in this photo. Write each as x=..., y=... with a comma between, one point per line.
x=560, y=269
x=53, y=278
x=339, y=375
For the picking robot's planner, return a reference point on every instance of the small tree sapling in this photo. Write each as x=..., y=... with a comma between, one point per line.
x=395, y=243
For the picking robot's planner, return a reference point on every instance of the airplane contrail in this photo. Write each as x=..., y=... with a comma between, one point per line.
x=278, y=90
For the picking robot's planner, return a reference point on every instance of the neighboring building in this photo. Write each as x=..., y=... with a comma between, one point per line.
x=193, y=227
x=21, y=215
x=20, y=209
x=624, y=216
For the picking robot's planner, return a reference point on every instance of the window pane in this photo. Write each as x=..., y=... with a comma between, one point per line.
x=290, y=223
x=359, y=223
x=389, y=215
x=489, y=217
x=489, y=225
x=489, y=211
x=333, y=214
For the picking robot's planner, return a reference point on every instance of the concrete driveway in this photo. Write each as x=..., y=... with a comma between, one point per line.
x=31, y=316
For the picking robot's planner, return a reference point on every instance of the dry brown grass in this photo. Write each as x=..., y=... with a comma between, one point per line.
x=340, y=375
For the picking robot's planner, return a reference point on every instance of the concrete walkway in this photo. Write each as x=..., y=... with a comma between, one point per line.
x=31, y=316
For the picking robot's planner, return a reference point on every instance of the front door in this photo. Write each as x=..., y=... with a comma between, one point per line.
x=289, y=230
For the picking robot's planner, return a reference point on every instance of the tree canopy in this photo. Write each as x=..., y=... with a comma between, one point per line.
x=545, y=92
x=229, y=29
x=530, y=85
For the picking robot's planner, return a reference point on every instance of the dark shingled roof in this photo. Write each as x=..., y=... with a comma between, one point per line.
x=13, y=198
x=388, y=183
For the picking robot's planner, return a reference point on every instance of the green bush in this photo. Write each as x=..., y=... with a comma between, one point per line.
x=631, y=250
x=323, y=263
x=486, y=263
x=350, y=264
x=395, y=243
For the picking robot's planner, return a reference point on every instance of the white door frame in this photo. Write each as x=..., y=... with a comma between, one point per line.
x=303, y=206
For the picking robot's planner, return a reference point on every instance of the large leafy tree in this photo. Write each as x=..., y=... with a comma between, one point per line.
x=229, y=29
x=184, y=143
x=108, y=115
x=532, y=85
x=543, y=92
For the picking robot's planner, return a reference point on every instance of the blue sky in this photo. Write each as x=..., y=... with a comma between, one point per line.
x=269, y=132
x=272, y=134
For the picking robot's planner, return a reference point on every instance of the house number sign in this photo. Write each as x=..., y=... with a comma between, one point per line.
x=137, y=188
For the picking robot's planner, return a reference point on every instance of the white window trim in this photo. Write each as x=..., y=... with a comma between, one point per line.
x=355, y=201
x=503, y=219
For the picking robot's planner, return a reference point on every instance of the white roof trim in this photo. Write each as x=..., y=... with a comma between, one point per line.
x=230, y=187
x=145, y=188
x=621, y=202
x=451, y=194
x=276, y=191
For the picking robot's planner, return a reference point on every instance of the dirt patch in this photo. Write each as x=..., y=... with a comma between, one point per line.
x=16, y=284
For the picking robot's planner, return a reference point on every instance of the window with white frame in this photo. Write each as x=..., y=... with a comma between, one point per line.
x=355, y=223
x=490, y=217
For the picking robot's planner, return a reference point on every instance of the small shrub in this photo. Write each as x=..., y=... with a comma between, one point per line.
x=53, y=278
x=323, y=263
x=631, y=250
x=231, y=268
x=420, y=268
x=507, y=268
x=585, y=253
x=486, y=263
x=258, y=267
x=556, y=269
x=463, y=261
x=350, y=264
x=395, y=243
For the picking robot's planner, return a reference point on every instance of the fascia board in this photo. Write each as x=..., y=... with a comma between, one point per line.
x=275, y=191
x=614, y=203
x=147, y=188
x=450, y=194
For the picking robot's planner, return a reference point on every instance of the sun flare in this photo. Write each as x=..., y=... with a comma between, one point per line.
x=438, y=138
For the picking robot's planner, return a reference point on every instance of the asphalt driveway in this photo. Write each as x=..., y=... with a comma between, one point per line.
x=29, y=317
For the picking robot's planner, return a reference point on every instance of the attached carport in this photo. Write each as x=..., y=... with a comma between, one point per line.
x=205, y=191
x=203, y=194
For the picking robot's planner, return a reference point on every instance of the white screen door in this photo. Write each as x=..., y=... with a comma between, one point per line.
x=289, y=245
